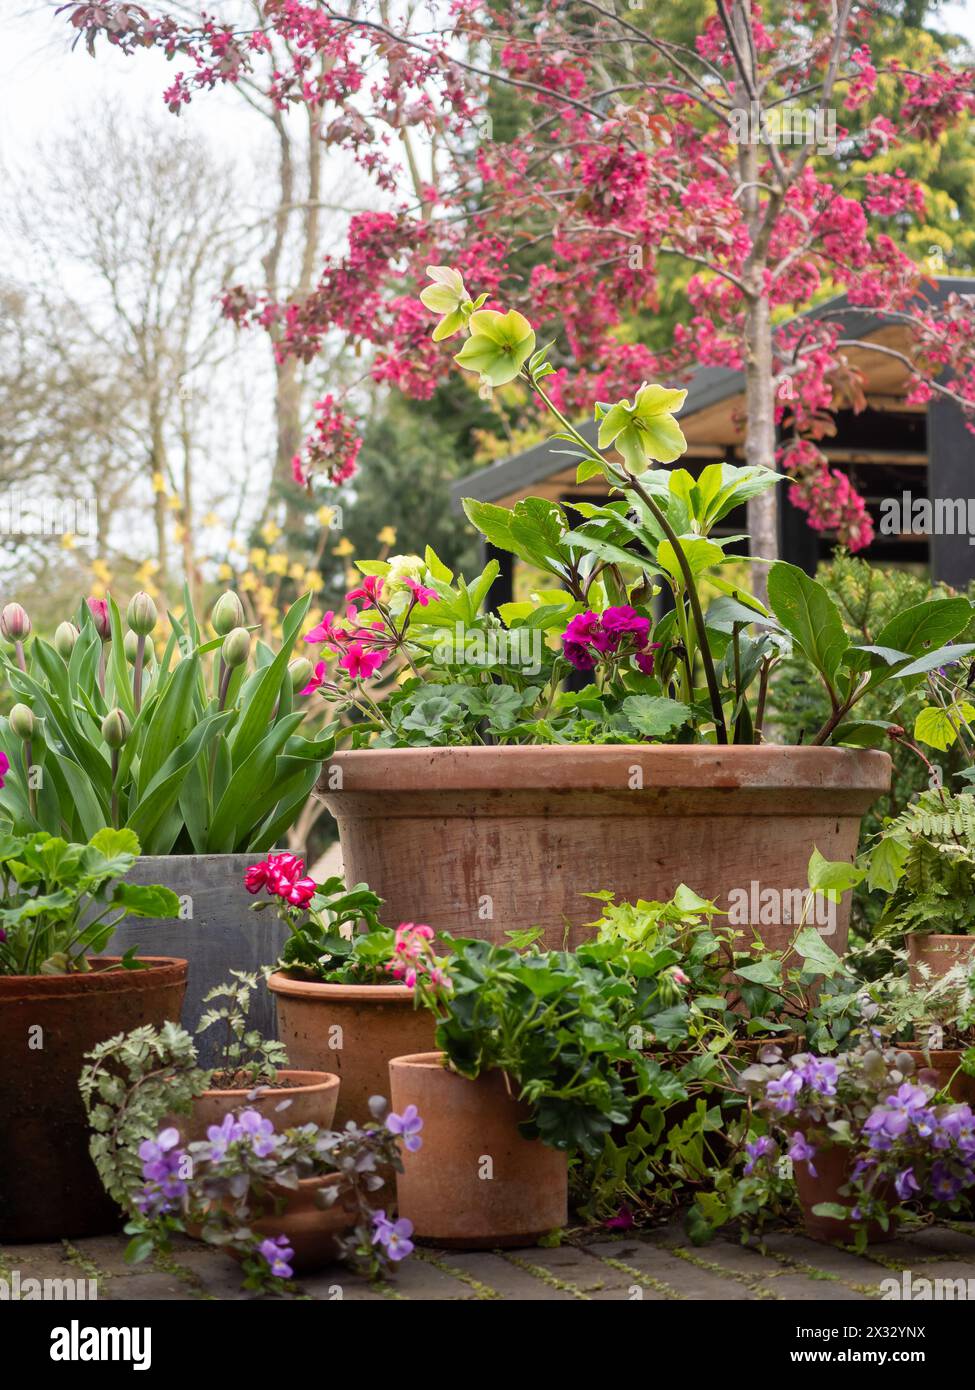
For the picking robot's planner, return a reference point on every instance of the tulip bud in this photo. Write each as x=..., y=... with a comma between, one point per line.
x=98, y=608
x=228, y=613
x=65, y=636
x=115, y=728
x=236, y=647
x=141, y=614
x=22, y=721
x=130, y=643
x=14, y=623
x=300, y=671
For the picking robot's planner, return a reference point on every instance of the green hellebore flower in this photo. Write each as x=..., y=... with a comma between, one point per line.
x=447, y=296
x=499, y=345
x=645, y=430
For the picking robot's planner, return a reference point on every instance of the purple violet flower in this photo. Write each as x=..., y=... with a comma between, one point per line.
x=408, y=1126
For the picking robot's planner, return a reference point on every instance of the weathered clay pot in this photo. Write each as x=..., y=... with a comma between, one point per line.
x=944, y=1063
x=352, y=1030
x=938, y=953
x=482, y=841
x=309, y=1098
x=833, y=1168
x=49, y=1188
x=310, y=1229
x=216, y=933
x=444, y=1188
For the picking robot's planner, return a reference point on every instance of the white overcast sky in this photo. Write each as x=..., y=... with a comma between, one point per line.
x=42, y=82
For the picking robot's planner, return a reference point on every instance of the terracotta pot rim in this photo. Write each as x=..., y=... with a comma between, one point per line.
x=329, y=1081
x=280, y=983
x=941, y=936
x=99, y=980
x=426, y=1061
x=933, y=1052
x=760, y=766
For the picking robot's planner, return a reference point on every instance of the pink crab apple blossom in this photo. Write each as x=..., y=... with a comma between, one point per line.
x=629, y=155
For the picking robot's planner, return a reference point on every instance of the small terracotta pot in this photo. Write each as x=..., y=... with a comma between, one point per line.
x=834, y=1166
x=352, y=1031
x=49, y=1188
x=943, y=1063
x=311, y=1230
x=308, y=1098
x=475, y=1182
x=939, y=953
x=435, y=830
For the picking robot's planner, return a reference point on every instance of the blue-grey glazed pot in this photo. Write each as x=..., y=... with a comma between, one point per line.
x=217, y=932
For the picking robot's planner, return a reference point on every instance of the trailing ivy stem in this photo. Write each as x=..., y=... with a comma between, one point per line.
x=140, y=656
x=628, y=480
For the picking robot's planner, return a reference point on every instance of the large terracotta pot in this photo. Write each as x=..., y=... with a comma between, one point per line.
x=833, y=1167
x=49, y=1188
x=943, y=1063
x=307, y=1098
x=938, y=953
x=352, y=1030
x=482, y=841
x=446, y=1188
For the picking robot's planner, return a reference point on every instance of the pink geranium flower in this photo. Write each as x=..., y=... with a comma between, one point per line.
x=369, y=591
x=317, y=678
x=327, y=631
x=420, y=592
x=360, y=663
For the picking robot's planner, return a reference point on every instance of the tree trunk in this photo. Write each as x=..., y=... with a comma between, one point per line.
x=763, y=512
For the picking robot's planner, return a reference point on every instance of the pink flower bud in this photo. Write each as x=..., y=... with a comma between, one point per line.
x=14, y=623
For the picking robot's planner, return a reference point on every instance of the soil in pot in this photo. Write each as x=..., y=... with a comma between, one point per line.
x=475, y=1182
x=442, y=833
x=351, y=1030
x=49, y=1189
x=938, y=953
x=296, y=1098
x=833, y=1167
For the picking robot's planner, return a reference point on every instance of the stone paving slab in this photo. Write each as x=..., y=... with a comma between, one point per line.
x=659, y=1266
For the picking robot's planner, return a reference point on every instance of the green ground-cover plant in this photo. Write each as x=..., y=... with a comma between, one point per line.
x=196, y=749
x=61, y=902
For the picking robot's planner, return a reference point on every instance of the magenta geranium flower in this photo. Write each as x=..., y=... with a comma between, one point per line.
x=4, y=769
x=420, y=592
x=316, y=679
x=369, y=591
x=328, y=631
x=626, y=622
x=360, y=663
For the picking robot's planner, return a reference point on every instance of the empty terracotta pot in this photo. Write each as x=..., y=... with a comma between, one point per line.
x=352, y=1031
x=938, y=953
x=49, y=1188
x=475, y=1182
x=833, y=1167
x=482, y=841
x=943, y=1064
x=307, y=1098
